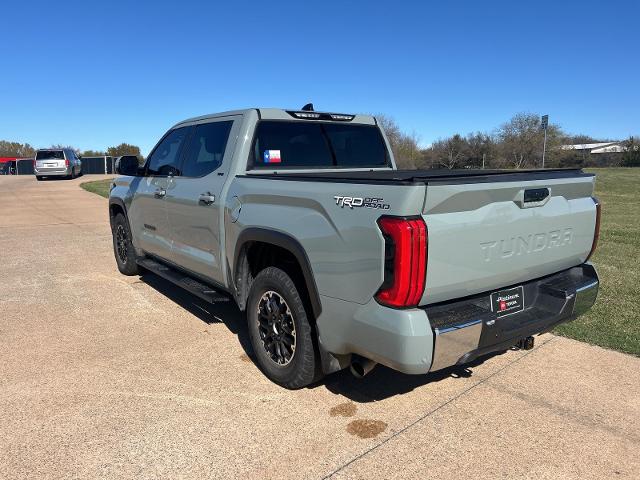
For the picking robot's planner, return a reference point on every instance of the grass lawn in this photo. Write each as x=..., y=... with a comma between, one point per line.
x=101, y=187
x=614, y=321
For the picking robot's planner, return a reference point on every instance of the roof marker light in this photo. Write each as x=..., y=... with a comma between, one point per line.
x=339, y=116
x=306, y=115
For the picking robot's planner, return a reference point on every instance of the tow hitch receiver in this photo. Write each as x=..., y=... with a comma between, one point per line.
x=525, y=343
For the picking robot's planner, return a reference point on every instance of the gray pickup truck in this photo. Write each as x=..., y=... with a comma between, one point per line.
x=341, y=260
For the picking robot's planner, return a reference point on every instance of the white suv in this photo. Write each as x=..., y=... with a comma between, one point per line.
x=57, y=162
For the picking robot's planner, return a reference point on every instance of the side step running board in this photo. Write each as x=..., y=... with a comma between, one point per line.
x=196, y=287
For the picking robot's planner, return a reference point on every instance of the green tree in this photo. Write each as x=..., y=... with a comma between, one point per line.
x=481, y=150
x=93, y=153
x=450, y=152
x=123, y=149
x=404, y=146
x=59, y=145
x=15, y=149
x=631, y=155
x=521, y=140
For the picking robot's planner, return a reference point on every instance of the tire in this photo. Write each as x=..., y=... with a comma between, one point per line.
x=122, y=247
x=39, y=178
x=273, y=290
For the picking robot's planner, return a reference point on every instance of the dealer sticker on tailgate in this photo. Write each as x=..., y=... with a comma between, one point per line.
x=508, y=301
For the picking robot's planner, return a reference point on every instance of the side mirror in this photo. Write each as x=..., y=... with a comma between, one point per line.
x=127, y=165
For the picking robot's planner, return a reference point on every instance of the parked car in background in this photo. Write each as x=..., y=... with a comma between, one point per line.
x=57, y=162
x=8, y=168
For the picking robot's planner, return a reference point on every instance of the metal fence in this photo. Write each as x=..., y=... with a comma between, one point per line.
x=24, y=167
x=101, y=165
x=97, y=164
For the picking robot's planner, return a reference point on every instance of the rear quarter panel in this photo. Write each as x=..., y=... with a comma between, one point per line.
x=344, y=245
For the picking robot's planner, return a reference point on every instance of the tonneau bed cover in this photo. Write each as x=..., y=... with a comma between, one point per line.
x=432, y=176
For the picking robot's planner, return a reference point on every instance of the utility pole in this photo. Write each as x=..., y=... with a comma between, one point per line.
x=544, y=123
x=483, y=160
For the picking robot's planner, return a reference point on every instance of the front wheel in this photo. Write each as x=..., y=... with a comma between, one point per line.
x=279, y=330
x=122, y=246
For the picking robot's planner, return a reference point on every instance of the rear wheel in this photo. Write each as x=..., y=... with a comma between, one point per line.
x=280, y=332
x=122, y=247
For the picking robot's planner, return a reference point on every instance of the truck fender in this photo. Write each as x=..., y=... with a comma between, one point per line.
x=287, y=242
x=119, y=202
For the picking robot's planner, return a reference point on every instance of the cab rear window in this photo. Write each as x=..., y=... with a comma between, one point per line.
x=49, y=154
x=282, y=144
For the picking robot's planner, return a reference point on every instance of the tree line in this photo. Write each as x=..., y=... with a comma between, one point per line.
x=517, y=143
x=25, y=150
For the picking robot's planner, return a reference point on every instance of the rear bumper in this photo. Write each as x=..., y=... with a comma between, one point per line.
x=419, y=340
x=466, y=329
x=52, y=172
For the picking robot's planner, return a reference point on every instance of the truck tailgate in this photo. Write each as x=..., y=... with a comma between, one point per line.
x=489, y=234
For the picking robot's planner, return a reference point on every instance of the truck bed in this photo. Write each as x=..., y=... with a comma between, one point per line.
x=431, y=176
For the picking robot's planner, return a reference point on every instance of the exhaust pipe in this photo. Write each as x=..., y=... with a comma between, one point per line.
x=360, y=366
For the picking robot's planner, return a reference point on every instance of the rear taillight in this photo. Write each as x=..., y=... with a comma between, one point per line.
x=405, y=261
x=596, y=233
x=66, y=162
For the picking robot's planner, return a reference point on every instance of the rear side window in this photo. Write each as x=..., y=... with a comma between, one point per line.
x=165, y=159
x=206, y=148
x=49, y=154
x=280, y=144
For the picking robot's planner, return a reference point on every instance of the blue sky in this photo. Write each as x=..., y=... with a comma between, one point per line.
x=94, y=75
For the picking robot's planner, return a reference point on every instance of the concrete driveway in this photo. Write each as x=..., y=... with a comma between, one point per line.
x=108, y=376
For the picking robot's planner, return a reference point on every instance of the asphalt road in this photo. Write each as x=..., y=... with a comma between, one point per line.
x=106, y=376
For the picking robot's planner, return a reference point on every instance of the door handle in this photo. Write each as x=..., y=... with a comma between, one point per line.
x=159, y=193
x=206, y=198
x=532, y=197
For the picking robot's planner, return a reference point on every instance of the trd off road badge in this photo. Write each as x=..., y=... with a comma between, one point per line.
x=361, y=202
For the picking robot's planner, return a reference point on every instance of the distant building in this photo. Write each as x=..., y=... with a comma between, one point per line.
x=596, y=148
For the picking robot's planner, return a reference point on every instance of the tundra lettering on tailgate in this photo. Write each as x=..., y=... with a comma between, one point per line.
x=533, y=243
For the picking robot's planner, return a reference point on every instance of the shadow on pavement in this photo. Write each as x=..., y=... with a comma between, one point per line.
x=378, y=385
x=383, y=382
x=223, y=312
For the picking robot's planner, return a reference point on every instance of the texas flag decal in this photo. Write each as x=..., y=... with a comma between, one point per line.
x=272, y=156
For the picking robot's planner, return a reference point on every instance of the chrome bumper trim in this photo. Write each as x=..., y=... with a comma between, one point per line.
x=453, y=342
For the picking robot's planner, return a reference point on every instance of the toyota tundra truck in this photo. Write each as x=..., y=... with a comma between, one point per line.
x=340, y=260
